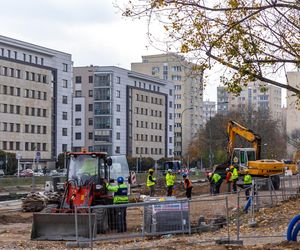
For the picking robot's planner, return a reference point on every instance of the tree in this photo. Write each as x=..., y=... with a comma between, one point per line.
x=254, y=40
x=10, y=163
x=260, y=122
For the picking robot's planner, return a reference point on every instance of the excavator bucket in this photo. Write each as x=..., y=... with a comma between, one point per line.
x=63, y=226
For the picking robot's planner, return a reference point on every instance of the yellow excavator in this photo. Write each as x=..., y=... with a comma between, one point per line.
x=250, y=158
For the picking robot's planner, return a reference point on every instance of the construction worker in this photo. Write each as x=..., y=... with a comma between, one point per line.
x=120, y=197
x=247, y=183
x=228, y=179
x=216, y=181
x=188, y=186
x=151, y=181
x=234, y=178
x=170, y=180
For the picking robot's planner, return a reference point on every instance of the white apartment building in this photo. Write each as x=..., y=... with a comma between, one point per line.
x=35, y=100
x=125, y=112
x=251, y=97
x=188, y=94
x=292, y=109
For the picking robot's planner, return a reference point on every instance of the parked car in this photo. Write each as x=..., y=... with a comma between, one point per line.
x=26, y=173
x=38, y=173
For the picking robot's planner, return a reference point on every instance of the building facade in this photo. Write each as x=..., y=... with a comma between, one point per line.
x=188, y=94
x=125, y=112
x=292, y=111
x=252, y=97
x=35, y=93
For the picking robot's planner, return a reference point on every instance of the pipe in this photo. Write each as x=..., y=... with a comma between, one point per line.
x=291, y=227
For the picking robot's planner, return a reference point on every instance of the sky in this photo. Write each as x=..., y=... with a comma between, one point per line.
x=93, y=31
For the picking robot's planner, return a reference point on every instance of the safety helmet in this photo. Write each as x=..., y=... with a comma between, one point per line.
x=170, y=170
x=184, y=175
x=227, y=169
x=120, y=179
x=231, y=167
x=209, y=174
x=151, y=170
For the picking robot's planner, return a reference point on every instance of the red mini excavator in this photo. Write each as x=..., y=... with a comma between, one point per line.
x=84, y=188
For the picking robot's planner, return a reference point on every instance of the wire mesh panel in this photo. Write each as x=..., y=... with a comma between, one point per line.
x=210, y=215
x=141, y=219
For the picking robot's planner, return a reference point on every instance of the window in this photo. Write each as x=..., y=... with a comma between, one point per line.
x=77, y=79
x=65, y=132
x=78, y=107
x=44, y=129
x=64, y=147
x=44, y=146
x=91, y=79
x=118, y=122
x=118, y=93
x=65, y=83
x=44, y=112
x=11, y=127
x=18, y=73
x=118, y=136
x=90, y=93
x=4, y=145
x=118, y=108
x=90, y=136
x=118, y=80
x=30, y=58
x=78, y=93
x=90, y=107
x=8, y=53
x=18, y=127
x=78, y=122
x=18, y=109
x=26, y=146
x=117, y=149
x=65, y=67
x=77, y=136
x=42, y=61
x=64, y=99
x=91, y=121
x=18, y=145
x=18, y=91
x=65, y=115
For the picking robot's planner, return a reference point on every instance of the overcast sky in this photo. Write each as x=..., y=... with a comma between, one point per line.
x=93, y=31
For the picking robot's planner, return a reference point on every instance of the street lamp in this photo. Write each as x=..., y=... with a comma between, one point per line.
x=182, y=131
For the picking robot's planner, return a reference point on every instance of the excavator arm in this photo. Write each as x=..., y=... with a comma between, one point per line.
x=234, y=128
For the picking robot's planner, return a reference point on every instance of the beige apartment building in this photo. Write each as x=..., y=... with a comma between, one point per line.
x=35, y=101
x=188, y=96
x=292, y=110
x=25, y=109
x=251, y=97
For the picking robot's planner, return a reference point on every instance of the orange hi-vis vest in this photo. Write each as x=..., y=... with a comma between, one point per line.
x=187, y=185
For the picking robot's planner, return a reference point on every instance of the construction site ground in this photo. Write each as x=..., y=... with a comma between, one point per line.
x=15, y=227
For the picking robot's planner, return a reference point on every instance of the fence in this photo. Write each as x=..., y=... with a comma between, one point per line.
x=253, y=222
x=227, y=216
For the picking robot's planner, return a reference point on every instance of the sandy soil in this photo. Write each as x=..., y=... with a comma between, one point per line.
x=15, y=230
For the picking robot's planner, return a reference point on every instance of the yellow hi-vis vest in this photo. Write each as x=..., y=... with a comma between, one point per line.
x=170, y=179
x=149, y=182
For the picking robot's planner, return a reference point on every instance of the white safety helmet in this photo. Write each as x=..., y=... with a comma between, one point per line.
x=170, y=170
x=227, y=169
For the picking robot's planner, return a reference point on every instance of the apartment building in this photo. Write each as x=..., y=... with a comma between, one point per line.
x=125, y=112
x=251, y=97
x=292, y=110
x=188, y=94
x=35, y=100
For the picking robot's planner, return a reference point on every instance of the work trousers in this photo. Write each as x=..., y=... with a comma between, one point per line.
x=121, y=219
x=188, y=192
x=152, y=191
x=169, y=190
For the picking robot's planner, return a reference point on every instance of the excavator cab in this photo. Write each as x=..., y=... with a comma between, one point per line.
x=241, y=156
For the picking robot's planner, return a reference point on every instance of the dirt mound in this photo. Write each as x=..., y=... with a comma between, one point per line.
x=15, y=218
